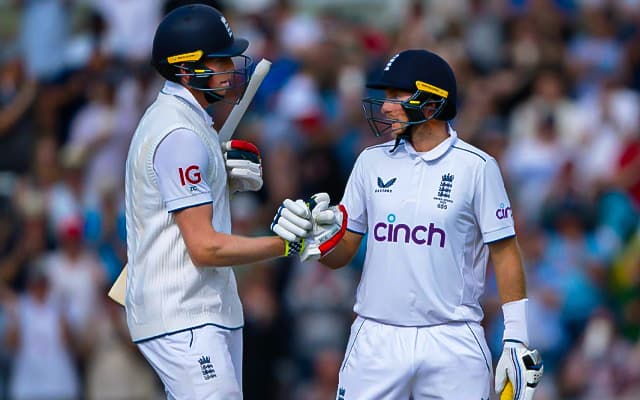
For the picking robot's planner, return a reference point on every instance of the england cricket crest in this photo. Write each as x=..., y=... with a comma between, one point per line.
x=207, y=368
x=444, y=191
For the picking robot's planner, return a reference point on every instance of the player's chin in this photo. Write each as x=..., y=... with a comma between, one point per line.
x=397, y=129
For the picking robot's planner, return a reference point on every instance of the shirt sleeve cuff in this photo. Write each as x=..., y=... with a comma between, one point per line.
x=355, y=226
x=188, y=201
x=498, y=234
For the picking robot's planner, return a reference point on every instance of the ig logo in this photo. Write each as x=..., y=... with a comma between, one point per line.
x=503, y=212
x=191, y=175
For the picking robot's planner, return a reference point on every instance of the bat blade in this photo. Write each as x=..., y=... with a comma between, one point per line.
x=507, y=392
x=119, y=288
x=230, y=125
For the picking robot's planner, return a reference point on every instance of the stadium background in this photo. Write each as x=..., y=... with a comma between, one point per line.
x=549, y=88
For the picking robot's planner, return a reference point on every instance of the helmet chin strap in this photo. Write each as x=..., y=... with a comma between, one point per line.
x=199, y=82
x=414, y=115
x=406, y=136
x=212, y=97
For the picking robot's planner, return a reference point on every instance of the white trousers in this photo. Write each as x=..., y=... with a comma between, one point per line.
x=450, y=361
x=201, y=363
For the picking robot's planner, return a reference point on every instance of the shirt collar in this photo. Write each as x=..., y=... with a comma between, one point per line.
x=437, y=151
x=177, y=90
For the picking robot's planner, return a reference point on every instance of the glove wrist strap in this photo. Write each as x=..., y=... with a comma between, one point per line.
x=293, y=248
x=515, y=321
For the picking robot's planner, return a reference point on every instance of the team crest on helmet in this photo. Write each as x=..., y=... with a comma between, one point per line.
x=226, y=25
x=386, y=68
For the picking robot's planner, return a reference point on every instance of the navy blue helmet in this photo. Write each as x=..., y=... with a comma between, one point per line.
x=187, y=37
x=427, y=76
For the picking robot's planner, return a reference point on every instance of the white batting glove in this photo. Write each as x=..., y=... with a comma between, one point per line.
x=292, y=223
x=521, y=367
x=329, y=226
x=319, y=206
x=244, y=165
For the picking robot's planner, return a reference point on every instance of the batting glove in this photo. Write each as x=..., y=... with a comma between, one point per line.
x=329, y=226
x=522, y=368
x=244, y=165
x=292, y=223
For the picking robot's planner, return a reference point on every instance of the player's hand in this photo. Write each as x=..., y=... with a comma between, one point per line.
x=244, y=165
x=292, y=223
x=320, y=209
x=329, y=226
x=523, y=368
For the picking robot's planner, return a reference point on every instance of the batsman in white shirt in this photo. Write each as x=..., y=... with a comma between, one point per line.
x=182, y=304
x=434, y=209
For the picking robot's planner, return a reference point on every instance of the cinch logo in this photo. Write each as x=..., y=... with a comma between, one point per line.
x=384, y=186
x=390, y=232
x=503, y=212
x=191, y=175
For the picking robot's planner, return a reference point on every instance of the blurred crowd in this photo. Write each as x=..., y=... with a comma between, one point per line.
x=551, y=88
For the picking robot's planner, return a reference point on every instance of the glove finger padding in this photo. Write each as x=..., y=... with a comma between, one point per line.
x=240, y=165
x=522, y=367
x=243, y=164
x=244, y=179
x=248, y=173
x=319, y=202
x=319, y=205
x=325, y=237
x=292, y=220
x=325, y=217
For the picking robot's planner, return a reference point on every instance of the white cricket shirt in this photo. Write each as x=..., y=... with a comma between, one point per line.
x=175, y=161
x=429, y=217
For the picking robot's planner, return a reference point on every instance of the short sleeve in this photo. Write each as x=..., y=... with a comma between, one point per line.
x=354, y=200
x=491, y=204
x=180, y=162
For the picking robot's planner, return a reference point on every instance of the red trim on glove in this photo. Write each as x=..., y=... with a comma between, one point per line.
x=333, y=242
x=244, y=145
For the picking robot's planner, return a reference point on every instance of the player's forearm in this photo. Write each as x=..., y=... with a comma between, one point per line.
x=510, y=276
x=221, y=250
x=336, y=259
x=209, y=248
x=344, y=251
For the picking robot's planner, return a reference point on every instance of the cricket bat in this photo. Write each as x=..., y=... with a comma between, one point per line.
x=230, y=125
x=507, y=392
x=119, y=287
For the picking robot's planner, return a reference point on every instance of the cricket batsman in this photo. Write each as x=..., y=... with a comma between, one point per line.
x=434, y=209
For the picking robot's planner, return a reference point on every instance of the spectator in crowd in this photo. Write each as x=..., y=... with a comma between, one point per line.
x=44, y=34
x=114, y=369
x=42, y=343
x=17, y=131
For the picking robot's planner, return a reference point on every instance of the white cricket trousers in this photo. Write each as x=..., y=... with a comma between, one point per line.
x=198, y=364
x=450, y=361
